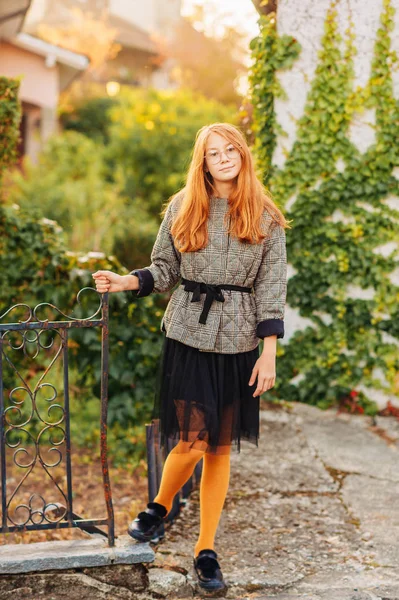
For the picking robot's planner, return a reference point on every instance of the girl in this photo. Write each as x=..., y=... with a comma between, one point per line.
x=222, y=239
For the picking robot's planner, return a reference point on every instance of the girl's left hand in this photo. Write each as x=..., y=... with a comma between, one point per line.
x=265, y=370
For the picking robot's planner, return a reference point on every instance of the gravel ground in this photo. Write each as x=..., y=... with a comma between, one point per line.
x=311, y=513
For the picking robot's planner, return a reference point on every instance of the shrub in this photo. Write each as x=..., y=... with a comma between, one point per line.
x=68, y=186
x=90, y=118
x=35, y=268
x=151, y=138
x=108, y=196
x=10, y=114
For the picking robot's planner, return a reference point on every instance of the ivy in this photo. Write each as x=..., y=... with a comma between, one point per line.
x=335, y=198
x=271, y=53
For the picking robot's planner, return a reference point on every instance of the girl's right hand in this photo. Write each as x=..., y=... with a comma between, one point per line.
x=107, y=281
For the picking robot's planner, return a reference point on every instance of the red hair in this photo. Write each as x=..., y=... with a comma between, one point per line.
x=247, y=202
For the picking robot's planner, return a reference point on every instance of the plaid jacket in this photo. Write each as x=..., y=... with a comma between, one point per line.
x=239, y=322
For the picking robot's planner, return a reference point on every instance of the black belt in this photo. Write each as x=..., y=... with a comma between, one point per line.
x=213, y=292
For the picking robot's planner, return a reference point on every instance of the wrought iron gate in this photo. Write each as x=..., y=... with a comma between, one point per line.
x=20, y=417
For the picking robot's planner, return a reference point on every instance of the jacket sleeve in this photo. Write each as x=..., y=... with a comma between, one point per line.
x=270, y=285
x=164, y=270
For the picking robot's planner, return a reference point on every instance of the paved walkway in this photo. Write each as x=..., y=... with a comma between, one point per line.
x=312, y=513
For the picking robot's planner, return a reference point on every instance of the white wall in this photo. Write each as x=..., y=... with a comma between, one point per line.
x=304, y=21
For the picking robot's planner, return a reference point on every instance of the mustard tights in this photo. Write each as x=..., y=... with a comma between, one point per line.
x=178, y=468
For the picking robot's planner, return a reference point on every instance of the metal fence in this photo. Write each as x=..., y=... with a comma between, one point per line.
x=25, y=428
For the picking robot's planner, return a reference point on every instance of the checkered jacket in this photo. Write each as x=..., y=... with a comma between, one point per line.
x=239, y=322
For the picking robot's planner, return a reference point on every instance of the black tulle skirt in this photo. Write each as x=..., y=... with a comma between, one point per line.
x=203, y=398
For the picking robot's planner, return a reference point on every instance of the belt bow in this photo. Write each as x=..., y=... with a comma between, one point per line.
x=213, y=292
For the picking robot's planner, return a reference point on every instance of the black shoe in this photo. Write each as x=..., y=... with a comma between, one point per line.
x=208, y=571
x=147, y=525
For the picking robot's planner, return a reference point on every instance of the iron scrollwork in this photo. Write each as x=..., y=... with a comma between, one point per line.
x=31, y=431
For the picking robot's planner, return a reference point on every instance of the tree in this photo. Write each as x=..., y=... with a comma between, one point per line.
x=210, y=63
x=85, y=34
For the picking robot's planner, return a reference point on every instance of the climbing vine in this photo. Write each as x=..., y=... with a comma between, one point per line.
x=271, y=53
x=340, y=203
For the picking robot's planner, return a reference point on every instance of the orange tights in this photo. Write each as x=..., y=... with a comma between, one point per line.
x=178, y=468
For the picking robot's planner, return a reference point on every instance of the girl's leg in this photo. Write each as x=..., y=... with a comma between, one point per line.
x=178, y=468
x=213, y=490
x=214, y=484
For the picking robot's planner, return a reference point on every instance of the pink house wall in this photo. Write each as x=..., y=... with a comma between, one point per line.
x=39, y=84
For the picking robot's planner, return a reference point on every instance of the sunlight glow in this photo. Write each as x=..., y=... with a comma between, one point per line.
x=237, y=13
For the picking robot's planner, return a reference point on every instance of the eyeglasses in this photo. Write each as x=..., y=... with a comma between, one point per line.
x=215, y=156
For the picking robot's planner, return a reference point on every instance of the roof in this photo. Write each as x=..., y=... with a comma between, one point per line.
x=12, y=15
x=50, y=51
x=132, y=36
x=70, y=62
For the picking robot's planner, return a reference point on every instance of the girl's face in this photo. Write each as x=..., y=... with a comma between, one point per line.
x=222, y=158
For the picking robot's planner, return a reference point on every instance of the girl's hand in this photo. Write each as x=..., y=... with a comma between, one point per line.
x=107, y=281
x=265, y=370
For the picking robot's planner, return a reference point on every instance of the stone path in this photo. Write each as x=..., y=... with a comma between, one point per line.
x=312, y=513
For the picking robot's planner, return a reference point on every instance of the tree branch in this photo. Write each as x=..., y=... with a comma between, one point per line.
x=267, y=8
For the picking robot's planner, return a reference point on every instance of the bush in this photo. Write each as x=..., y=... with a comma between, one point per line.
x=90, y=118
x=151, y=139
x=108, y=196
x=35, y=267
x=68, y=186
x=10, y=114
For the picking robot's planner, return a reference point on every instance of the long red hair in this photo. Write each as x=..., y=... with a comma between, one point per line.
x=246, y=203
